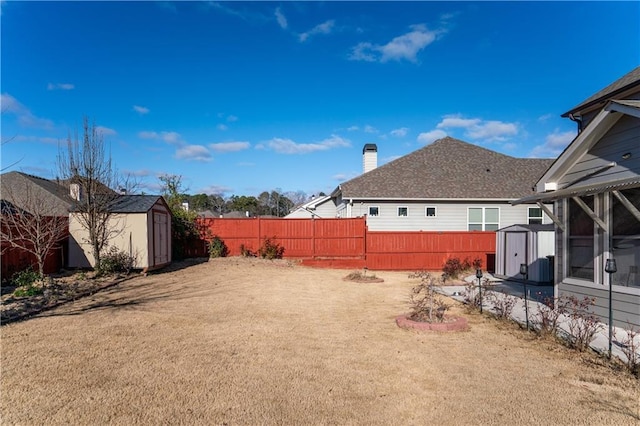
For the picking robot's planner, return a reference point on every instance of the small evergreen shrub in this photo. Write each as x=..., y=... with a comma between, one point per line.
x=217, y=247
x=270, y=249
x=114, y=261
x=25, y=278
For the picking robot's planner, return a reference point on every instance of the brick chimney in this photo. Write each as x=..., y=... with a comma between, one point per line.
x=369, y=157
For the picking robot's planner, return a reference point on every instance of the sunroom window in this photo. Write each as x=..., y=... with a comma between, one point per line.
x=580, y=248
x=625, y=240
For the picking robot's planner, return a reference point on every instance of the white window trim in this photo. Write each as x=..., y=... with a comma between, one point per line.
x=484, y=222
x=373, y=207
x=435, y=210
x=402, y=207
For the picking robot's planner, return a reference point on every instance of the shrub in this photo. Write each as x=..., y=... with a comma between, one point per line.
x=453, y=267
x=503, y=303
x=217, y=247
x=583, y=325
x=25, y=278
x=471, y=294
x=630, y=348
x=548, y=317
x=426, y=304
x=114, y=260
x=245, y=252
x=270, y=249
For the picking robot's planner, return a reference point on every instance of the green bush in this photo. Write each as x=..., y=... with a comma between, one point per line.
x=25, y=278
x=217, y=247
x=270, y=249
x=27, y=291
x=114, y=260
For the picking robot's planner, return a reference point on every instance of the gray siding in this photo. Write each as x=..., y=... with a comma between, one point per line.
x=586, y=118
x=623, y=137
x=625, y=306
x=450, y=216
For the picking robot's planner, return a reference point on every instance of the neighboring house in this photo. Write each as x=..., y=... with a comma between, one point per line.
x=449, y=185
x=18, y=188
x=595, y=185
x=321, y=207
x=140, y=227
x=35, y=195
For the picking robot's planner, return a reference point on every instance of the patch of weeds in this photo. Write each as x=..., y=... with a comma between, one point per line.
x=246, y=252
x=28, y=291
x=217, y=247
x=271, y=249
x=547, y=319
x=360, y=276
x=426, y=304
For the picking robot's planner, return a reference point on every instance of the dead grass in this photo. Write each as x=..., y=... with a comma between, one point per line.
x=247, y=341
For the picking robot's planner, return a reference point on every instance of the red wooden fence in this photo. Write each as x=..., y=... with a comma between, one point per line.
x=348, y=243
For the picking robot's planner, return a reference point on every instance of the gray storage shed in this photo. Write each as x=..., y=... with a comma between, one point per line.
x=531, y=244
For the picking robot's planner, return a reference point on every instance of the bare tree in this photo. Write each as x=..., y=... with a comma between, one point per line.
x=30, y=223
x=91, y=175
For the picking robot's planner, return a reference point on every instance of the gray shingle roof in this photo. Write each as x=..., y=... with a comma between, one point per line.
x=134, y=203
x=449, y=168
x=17, y=187
x=623, y=83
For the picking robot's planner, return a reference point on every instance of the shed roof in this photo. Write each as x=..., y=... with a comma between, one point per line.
x=135, y=203
x=449, y=169
x=625, y=82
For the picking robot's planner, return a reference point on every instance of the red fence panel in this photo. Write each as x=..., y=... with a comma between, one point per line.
x=348, y=243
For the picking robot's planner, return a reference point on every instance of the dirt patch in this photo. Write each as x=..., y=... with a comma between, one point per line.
x=248, y=341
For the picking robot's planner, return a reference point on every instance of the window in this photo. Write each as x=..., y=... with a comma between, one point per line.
x=625, y=241
x=403, y=211
x=534, y=216
x=484, y=219
x=374, y=211
x=580, y=248
x=430, y=211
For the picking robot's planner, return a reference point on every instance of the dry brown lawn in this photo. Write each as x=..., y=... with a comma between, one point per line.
x=243, y=342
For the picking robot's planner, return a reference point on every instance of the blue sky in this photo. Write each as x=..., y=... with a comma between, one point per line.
x=242, y=97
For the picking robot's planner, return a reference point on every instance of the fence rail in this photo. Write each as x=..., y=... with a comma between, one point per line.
x=347, y=243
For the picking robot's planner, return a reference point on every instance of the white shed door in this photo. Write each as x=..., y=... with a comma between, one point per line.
x=160, y=238
x=515, y=252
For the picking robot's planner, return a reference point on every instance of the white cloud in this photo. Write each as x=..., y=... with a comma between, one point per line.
x=400, y=133
x=282, y=20
x=353, y=128
x=138, y=173
x=229, y=146
x=232, y=118
x=554, y=144
x=193, y=153
x=60, y=86
x=545, y=117
x=245, y=164
x=370, y=129
x=324, y=28
x=140, y=109
x=428, y=137
x=11, y=105
x=215, y=189
x=404, y=47
x=47, y=140
x=222, y=127
x=475, y=128
x=168, y=137
x=287, y=146
x=105, y=131
x=341, y=177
